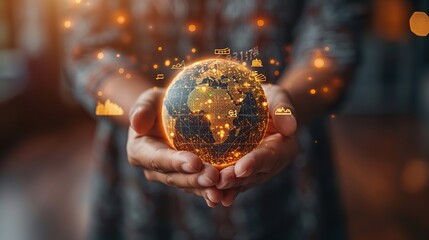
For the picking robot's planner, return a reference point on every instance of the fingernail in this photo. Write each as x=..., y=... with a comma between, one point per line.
x=205, y=181
x=210, y=204
x=210, y=197
x=188, y=168
x=228, y=183
x=243, y=173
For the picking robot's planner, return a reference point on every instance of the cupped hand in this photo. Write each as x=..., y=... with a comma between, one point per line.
x=148, y=149
x=278, y=148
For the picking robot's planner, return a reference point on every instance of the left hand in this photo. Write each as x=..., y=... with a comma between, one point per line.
x=278, y=148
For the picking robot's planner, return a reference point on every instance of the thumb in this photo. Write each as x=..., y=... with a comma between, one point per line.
x=281, y=111
x=145, y=110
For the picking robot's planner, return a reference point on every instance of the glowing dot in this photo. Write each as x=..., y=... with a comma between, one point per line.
x=100, y=55
x=167, y=62
x=128, y=76
x=120, y=19
x=325, y=89
x=188, y=57
x=155, y=66
x=226, y=125
x=209, y=101
x=272, y=61
x=121, y=70
x=310, y=78
x=192, y=27
x=244, y=63
x=312, y=91
x=67, y=24
x=419, y=24
x=333, y=116
x=327, y=49
x=160, y=48
x=172, y=134
x=264, y=104
x=118, y=55
x=193, y=50
x=203, y=89
x=260, y=22
x=176, y=59
x=100, y=93
x=78, y=1
x=319, y=63
x=276, y=73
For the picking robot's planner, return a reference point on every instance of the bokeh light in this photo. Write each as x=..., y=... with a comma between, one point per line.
x=319, y=62
x=419, y=24
x=192, y=28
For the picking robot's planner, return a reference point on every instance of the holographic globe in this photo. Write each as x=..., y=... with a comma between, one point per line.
x=216, y=109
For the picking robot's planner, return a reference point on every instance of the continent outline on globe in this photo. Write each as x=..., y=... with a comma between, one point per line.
x=196, y=111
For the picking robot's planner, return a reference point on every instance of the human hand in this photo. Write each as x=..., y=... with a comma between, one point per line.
x=277, y=149
x=148, y=149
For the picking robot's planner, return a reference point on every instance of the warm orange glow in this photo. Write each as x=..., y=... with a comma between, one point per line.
x=312, y=91
x=419, y=24
x=272, y=61
x=310, y=78
x=319, y=62
x=260, y=22
x=276, y=73
x=121, y=70
x=67, y=24
x=155, y=66
x=100, y=93
x=167, y=62
x=128, y=76
x=78, y=1
x=118, y=55
x=160, y=48
x=100, y=55
x=325, y=89
x=193, y=50
x=120, y=19
x=192, y=28
x=415, y=176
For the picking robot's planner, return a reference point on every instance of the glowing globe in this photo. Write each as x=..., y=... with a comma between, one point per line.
x=216, y=109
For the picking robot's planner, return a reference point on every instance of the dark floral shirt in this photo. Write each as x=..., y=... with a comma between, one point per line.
x=136, y=35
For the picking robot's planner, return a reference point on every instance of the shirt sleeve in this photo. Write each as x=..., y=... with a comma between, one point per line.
x=329, y=29
x=97, y=42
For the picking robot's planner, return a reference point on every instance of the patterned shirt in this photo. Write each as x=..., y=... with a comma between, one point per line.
x=140, y=36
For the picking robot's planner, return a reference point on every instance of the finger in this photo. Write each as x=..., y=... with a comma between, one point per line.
x=279, y=106
x=206, y=178
x=229, y=196
x=151, y=153
x=146, y=109
x=212, y=195
x=274, y=152
x=226, y=178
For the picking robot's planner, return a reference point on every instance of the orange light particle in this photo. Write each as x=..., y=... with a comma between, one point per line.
x=312, y=91
x=276, y=73
x=155, y=66
x=167, y=62
x=260, y=22
x=121, y=70
x=325, y=89
x=193, y=50
x=419, y=24
x=100, y=93
x=192, y=28
x=100, y=55
x=160, y=48
x=272, y=61
x=120, y=19
x=67, y=24
x=310, y=78
x=319, y=62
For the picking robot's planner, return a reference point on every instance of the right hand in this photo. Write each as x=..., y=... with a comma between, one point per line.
x=148, y=149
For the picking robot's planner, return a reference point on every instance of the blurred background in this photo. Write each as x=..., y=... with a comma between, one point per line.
x=379, y=138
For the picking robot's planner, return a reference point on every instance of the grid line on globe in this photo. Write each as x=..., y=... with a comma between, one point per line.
x=216, y=109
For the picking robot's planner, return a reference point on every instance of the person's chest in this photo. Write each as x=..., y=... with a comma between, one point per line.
x=192, y=29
